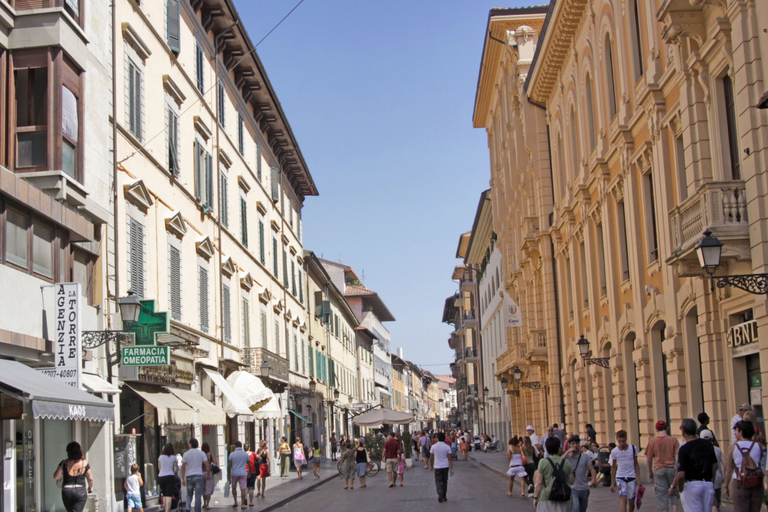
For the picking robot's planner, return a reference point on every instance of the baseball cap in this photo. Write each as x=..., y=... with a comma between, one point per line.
x=529, y=427
x=661, y=425
x=706, y=434
x=745, y=407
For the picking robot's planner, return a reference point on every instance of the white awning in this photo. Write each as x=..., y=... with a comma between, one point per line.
x=170, y=410
x=209, y=413
x=95, y=384
x=253, y=392
x=234, y=405
x=270, y=411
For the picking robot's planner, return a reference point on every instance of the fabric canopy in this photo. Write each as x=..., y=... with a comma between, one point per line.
x=300, y=416
x=209, y=413
x=50, y=398
x=253, y=392
x=269, y=411
x=232, y=401
x=170, y=410
x=95, y=384
x=382, y=417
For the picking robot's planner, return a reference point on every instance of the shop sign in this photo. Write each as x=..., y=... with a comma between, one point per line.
x=146, y=355
x=742, y=339
x=67, y=344
x=755, y=381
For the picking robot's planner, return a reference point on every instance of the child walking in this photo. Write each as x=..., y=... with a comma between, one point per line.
x=401, y=467
x=133, y=489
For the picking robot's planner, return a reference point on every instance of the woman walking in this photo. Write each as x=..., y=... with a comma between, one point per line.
x=264, y=460
x=334, y=446
x=464, y=446
x=361, y=461
x=208, y=487
x=530, y=465
x=350, y=466
x=298, y=457
x=516, y=469
x=285, y=457
x=744, y=500
x=166, y=478
x=315, y=460
x=74, y=471
x=252, y=470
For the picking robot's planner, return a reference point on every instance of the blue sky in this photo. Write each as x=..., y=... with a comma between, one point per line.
x=380, y=96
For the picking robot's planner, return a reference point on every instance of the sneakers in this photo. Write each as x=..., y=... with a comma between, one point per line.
x=530, y=489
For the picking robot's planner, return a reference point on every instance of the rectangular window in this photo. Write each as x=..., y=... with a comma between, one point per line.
x=682, y=180
x=69, y=132
x=290, y=213
x=31, y=85
x=262, y=249
x=275, y=257
x=293, y=278
x=203, y=176
x=650, y=218
x=246, y=323
x=203, y=292
x=296, y=352
x=224, y=198
x=310, y=360
x=222, y=96
x=288, y=346
x=621, y=225
x=277, y=335
x=264, y=340
x=243, y=221
x=275, y=182
x=258, y=161
x=569, y=287
x=172, y=120
x=16, y=237
x=240, y=134
x=136, y=265
x=226, y=326
x=199, y=71
x=175, y=283
x=42, y=249
x=285, y=269
x=301, y=290
x=733, y=136
x=303, y=357
x=135, y=108
x=584, y=282
x=600, y=258
x=174, y=26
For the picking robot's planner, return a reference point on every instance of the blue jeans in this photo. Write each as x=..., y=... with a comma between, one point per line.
x=580, y=500
x=195, y=484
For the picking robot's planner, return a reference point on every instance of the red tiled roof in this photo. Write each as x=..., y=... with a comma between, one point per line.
x=358, y=290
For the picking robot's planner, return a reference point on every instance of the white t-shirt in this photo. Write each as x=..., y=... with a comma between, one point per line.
x=534, y=441
x=737, y=418
x=166, y=465
x=624, y=461
x=194, y=460
x=755, y=453
x=442, y=454
x=132, y=484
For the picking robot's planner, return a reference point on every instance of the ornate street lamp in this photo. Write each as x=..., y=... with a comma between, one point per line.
x=336, y=394
x=130, y=307
x=583, y=346
x=312, y=386
x=518, y=374
x=265, y=368
x=709, y=251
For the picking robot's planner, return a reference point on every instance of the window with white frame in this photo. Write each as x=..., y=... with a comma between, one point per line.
x=136, y=255
x=240, y=134
x=203, y=174
x=134, y=90
x=174, y=280
x=172, y=137
x=264, y=328
x=200, y=68
x=224, y=196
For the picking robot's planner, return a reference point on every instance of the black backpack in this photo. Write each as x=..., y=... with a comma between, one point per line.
x=559, y=489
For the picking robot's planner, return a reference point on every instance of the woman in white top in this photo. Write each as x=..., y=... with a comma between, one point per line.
x=744, y=500
x=166, y=477
x=516, y=469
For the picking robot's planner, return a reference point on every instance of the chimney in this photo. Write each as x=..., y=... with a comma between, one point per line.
x=400, y=352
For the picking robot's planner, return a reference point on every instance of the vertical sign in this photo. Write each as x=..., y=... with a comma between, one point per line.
x=513, y=317
x=68, y=351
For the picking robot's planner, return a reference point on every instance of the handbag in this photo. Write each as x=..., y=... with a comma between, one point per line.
x=60, y=481
x=215, y=469
x=525, y=460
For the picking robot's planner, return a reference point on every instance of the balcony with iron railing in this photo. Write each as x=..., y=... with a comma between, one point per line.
x=254, y=357
x=470, y=320
x=470, y=354
x=720, y=206
x=468, y=282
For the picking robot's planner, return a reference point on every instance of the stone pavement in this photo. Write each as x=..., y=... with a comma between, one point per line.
x=279, y=490
x=599, y=497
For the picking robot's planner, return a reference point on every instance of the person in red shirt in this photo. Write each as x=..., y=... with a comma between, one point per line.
x=391, y=453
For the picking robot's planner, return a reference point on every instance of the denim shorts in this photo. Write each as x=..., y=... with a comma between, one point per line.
x=134, y=500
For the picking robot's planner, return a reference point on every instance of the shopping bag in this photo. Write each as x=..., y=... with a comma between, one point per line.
x=639, y=496
x=227, y=485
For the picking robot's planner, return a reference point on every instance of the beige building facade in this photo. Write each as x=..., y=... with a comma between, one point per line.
x=627, y=134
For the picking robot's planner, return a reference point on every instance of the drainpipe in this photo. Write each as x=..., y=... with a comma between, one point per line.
x=115, y=231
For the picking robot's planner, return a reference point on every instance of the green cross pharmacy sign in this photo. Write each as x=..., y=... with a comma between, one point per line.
x=146, y=351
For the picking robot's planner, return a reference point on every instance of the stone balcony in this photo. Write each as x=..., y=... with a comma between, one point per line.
x=279, y=374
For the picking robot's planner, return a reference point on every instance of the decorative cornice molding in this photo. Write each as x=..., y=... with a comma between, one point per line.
x=137, y=193
x=204, y=247
x=176, y=225
x=132, y=38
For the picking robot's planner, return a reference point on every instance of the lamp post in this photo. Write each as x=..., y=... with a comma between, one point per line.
x=583, y=346
x=265, y=368
x=517, y=373
x=709, y=251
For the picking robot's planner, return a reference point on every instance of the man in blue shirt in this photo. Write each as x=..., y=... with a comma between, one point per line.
x=238, y=471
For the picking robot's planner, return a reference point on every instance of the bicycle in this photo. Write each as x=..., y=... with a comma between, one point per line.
x=374, y=466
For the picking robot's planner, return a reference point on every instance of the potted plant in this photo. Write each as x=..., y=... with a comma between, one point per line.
x=408, y=446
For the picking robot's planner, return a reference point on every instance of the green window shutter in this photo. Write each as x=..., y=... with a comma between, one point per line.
x=274, y=257
x=175, y=282
x=225, y=322
x=293, y=278
x=285, y=269
x=261, y=242
x=174, y=26
x=311, y=368
x=301, y=290
x=240, y=134
x=173, y=141
x=275, y=184
x=295, y=353
x=258, y=161
x=246, y=323
x=198, y=171
x=203, y=290
x=199, y=60
x=224, y=199
x=222, y=103
x=244, y=222
x=209, y=181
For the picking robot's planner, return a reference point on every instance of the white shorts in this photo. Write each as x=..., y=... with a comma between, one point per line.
x=518, y=471
x=627, y=489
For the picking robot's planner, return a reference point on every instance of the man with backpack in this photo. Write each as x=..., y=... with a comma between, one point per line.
x=696, y=468
x=625, y=471
x=744, y=466
x=554, y=478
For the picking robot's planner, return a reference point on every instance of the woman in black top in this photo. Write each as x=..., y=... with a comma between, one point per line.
x=361, y=460
x=74, y=470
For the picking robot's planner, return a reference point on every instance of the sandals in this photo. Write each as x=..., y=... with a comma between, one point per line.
x=347, y=487
x=509, y=494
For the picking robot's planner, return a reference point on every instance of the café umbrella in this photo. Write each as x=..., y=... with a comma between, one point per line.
x=376, y=417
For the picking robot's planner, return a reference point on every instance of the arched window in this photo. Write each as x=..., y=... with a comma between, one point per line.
x=574, y=145
x=610, y=79
x=637, y=41
x=590, y=112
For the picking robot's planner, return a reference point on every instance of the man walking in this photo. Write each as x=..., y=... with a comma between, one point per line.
x=550, y=433
x=424, y=447
x=193, y=464
x=441, y=463
x=238, y=462
x=697, y=465
x=661, y=454
x=560, y=434
x=581, y=464
x=737, y=418
x=625, y=471
x=391, y=456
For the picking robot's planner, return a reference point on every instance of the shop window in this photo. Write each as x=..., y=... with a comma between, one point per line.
x=31, y=86
x=42, y=249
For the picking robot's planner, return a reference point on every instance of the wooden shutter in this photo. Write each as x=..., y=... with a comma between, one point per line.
x=258, y=161
x=301, y=289
x=285, y=269
x=223, y=198
x=240, y=134
x=137, y=258
x=199, y=68
x=311, y=363
x=203, y=299
x=222, y=110
x=246, y=323
x=209, y=181
x=225, y=306
x=198, y=172
x=274, y=257
x=173, y=142
x=263, y=329
x=244, y=222
x=261, y=242
x=293, y=278
x=175, y=281
x=174, y=26
x=275, y=185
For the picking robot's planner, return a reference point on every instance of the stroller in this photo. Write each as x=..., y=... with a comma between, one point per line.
x=176, y=503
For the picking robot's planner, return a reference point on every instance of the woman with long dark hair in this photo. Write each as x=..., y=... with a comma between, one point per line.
x=208, y=488
x=74, y=471
x=166, y=477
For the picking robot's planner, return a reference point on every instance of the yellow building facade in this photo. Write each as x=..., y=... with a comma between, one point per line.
x=630, y=131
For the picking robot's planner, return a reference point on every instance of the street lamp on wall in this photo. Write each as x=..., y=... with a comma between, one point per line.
x=583, y=346
x=709, y=250
x=517, y=373
x=265, y=368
